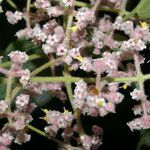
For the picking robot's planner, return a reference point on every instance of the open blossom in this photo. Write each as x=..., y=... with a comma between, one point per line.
x=84, y=17
x=86, y=64
x=95, y=101
x=80, y=90
x=3, y=106
x=136, y=94
x=42, y=4
x=22, y=100
x=57, y=120
x=61, y=50
x=6, y=138
x=37, y=33
x=62, y=120
x=13, y=18
x=86, y=142
x=68, y=2
x=18, y=57
x=98, y=65
x=133, y=44
x=55, y=11
x=110, y=60
x=140, y=123
x=25, y=77
x=22, y=138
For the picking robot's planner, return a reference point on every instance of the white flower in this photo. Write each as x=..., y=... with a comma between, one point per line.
x=3, y=106
x=61, y=50
x=22, y=100
x=42, y=4
x=136, y=94
x=37, y=33
x=25, y=77
x=80, y=91
x=18, y=56
x=47, y=48
x=68, y=2
x=86, y=64
x=13, y=18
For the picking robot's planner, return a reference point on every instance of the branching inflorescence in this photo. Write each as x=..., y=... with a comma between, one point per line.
x=83, y=42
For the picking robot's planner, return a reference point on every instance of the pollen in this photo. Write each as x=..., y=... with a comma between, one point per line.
x=100, y=103
x=125, y=86
x=74, y=28
x=94, y=91
x=43, y=118
x=70, y=68
x=45, y=111
x=65, y=111
x=80, y=58
x=143, y=24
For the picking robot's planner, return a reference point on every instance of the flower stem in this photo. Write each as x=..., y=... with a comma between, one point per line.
x=89, y=80
x=8, y=90
x=76, y=111
x=28, y=13
x=46, y=65
x=60, y=143
x=31, y=57
x=140, y=82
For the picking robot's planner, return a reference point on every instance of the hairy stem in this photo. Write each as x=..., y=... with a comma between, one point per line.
x=96, y=6
x=76, y=111
x=60, y=143
x=46, y=65
x=8, y=92
x=28, y=13
x=31, y=57
x=140, y=82
x=89, y=80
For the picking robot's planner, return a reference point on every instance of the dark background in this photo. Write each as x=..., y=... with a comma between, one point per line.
x=117, y=135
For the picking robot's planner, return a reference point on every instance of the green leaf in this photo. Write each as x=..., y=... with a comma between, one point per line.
x=23, y=44
x=2, y=91
x=144, y=139
x=143, y=9
x=43, y=99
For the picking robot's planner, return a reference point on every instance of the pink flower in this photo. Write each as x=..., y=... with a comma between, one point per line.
x=61, y=50
x=13, y=18
x=22, y=138
x=140, y=123
x=136, y=94
x=68, y=2
x=6, y=138
x=22, y=100
x=3, y=106
x=18, y=57
x=86, y=142
x=80, y=91
x=42, y=4
x=110, y=107
x=99, y=65
x=86, y=64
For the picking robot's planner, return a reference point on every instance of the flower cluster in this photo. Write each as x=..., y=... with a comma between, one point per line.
x=13, y=18
x=20, y=117
x=16, y=70
x=103, y=48
x=57, y=120
x=89, y=100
